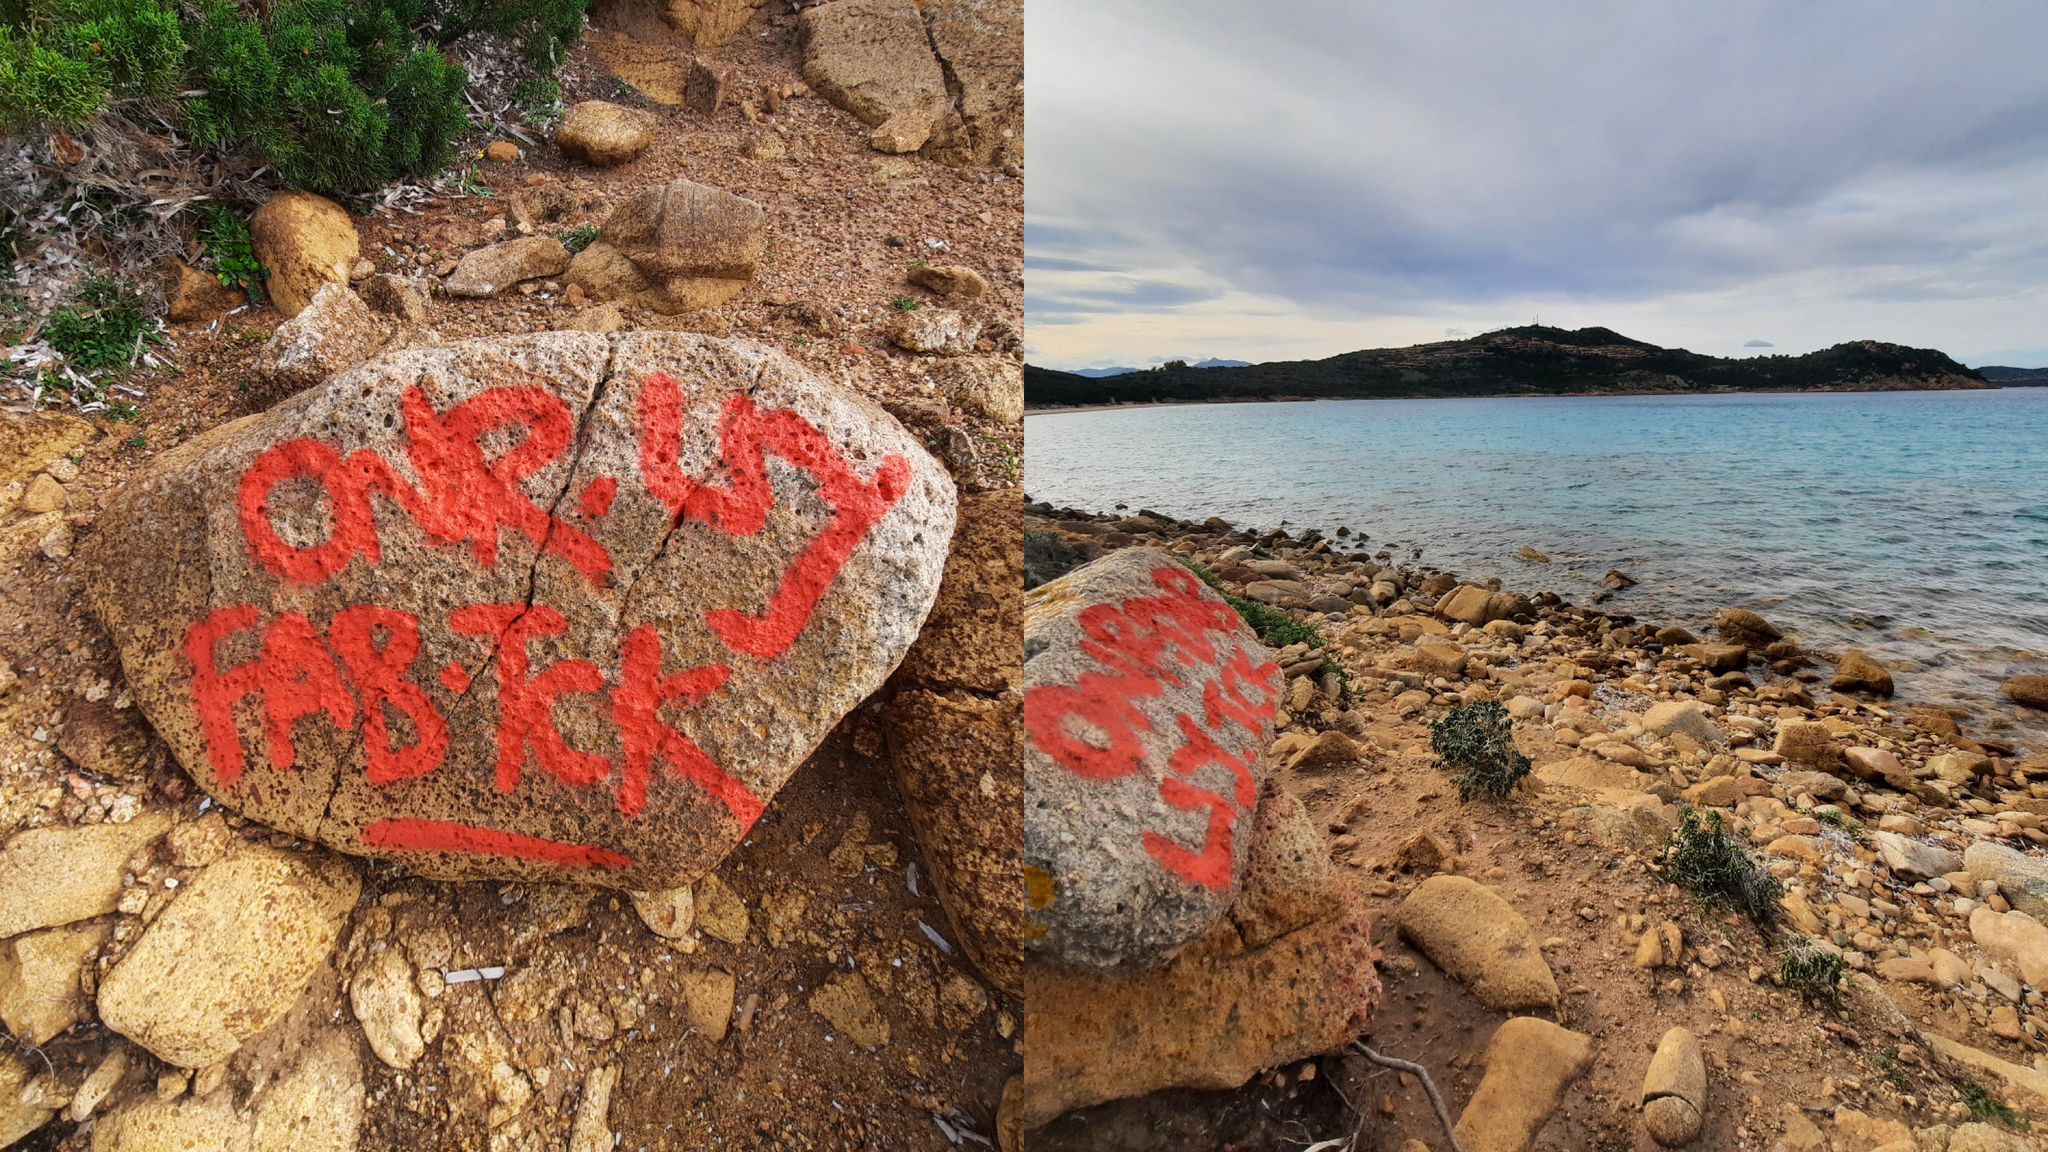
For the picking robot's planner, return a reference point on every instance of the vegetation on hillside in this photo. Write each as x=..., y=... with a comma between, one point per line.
x=1530, y=360
x=336, y=95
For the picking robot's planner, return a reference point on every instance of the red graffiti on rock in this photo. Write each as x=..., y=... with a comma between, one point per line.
x=1146, y=644
x=746, y=436
x=358, y=673
x=463, y=496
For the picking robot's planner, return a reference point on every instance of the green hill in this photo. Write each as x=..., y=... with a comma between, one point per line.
x=1532, y=360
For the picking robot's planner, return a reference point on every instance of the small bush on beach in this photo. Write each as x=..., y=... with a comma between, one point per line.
x=1814, y=972
x=1476, y=744
x=1276, y=629
x=102, y=326
x=1701, y=858
x=1986, y=1107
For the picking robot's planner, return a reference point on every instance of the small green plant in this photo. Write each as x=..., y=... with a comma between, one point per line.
x=1887, y=1061
x=906, y=303
x=470, y=182
x=1476, y=743
x=1984, y=1106
x=1203, y=573
x=103, y=326
x=226, y=249
x=1813, y=972
x=578, y=238
x=1701, y=858
x=1343, y=675
x=1833, y=818
x=539, y=99
x=1276, y=629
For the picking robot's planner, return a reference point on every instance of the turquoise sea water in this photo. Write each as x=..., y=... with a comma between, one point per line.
x=1910, y=524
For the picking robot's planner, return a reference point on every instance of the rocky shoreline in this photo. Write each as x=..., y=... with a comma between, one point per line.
x=1907, y=847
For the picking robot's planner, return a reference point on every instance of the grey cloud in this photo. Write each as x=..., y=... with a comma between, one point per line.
x=1758, y=344
x=1462, y=158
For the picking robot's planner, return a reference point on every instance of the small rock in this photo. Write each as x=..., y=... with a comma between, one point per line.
x=600, y=318
x=402, y=296
x=671, y=912
x=1857, y=672
x=592, y=1130
x=303, y=241
x=44, y=495
x=491, y=270
x=333, y=332
x=61, y=875
x=1807, y=742
x=720, y=911
x=707, y=996
x=2014, y=937
x=197, y=295
x=2021, y=879
x=1529, y=1064
x=2029, y=691
x=1480, y=940
x=1741, y=626
x=846, y=1003
x=1676, y=717
x=603, y=134
x=1675, y=1090
x=501, y=152
x=386, y=1000
x=39, y=991
x=949, y=280
x=938, y=330
x=1915, y=859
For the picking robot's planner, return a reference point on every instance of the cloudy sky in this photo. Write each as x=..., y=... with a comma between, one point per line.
x=1298, y=178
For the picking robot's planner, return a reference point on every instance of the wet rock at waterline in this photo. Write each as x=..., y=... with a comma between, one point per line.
x=558, y=606
x=1148, y=705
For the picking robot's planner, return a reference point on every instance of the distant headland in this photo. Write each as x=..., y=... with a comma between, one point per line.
x=1532, y=360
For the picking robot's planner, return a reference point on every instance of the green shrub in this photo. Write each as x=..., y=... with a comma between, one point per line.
x=337, y=95
x=1701, y=858
x=1276, y=628
x=102, y=326
x=62, y=60
x=226, y=249
x=1476, y=743
x=1984, y=1106
x=906, y=304
x=578, y=238
x=1813, y=972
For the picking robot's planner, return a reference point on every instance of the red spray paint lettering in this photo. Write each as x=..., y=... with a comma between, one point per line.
x=746, y=436
x=362, y=668
x=1094, y=727
x=463, y=497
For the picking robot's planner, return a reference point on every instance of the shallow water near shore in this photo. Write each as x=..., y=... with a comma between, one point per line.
x=1913, y=525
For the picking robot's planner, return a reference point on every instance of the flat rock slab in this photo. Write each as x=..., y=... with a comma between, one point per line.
x=229, y=954
x=561, y=606
x=1529, y=1064
x=1148, y=706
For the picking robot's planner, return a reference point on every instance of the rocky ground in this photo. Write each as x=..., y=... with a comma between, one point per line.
x=810, y=993
x=1906, y=845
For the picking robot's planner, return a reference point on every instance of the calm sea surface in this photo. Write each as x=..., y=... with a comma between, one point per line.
x=1911, y=524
